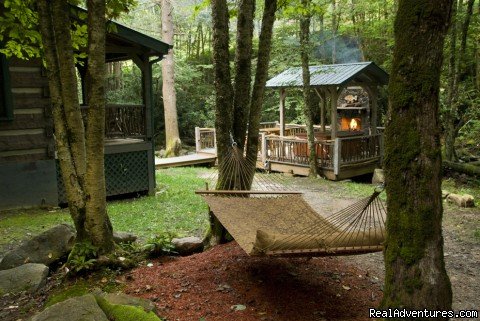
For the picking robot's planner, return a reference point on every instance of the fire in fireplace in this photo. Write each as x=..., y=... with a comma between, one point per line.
x=351, y=124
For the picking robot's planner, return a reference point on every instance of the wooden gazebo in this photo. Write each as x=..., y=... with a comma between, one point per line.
x=351, y=144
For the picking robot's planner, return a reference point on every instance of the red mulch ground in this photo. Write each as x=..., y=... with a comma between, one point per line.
x=205, y=286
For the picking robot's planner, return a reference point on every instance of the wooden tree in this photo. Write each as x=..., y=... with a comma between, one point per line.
x=415, y=270
x=173, y=143
x=80, y=153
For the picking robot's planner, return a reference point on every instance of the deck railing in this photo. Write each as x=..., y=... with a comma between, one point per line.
x=205, y=140
x=295, y=151
x=331, y=154
x=122, y=120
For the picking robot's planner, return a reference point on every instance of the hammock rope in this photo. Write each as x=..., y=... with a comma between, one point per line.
x=272, y=220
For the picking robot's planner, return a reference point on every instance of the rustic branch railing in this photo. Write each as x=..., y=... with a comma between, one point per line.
x=122, y=121
x=354, y=150
x=205, y=139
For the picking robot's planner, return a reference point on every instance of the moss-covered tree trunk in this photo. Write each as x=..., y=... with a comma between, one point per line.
x=80, y=153
x=236, y=104
x=415, y=270
x=307, y=97
x=97, y=221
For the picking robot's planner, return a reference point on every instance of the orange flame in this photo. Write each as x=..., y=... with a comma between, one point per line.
x=353, y=124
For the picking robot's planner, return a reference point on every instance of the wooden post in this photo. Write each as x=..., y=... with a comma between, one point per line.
x=282, y=112
x=264, y=148
x=198, y=144
x=333, y=102
x=214, y=140
x=323, y=102
x=337, y=156
x=373, y=93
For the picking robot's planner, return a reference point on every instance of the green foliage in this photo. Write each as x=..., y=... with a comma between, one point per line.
x=82, y=257
x=160, y=244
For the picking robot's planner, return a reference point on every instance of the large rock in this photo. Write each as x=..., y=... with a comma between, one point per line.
x=45, y=248
x=123, y=299
x=465, y=200
x=378, y=176
x=187, y=245
x=82, y=308
x=124, y=237
x=28, y=277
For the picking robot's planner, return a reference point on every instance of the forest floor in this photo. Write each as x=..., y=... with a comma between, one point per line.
x=223, y=283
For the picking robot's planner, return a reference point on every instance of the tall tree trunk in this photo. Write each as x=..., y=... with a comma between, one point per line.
x=263, y=59
x=97, y=222
x=334, y=31
x=173, y=143
x=454, y=118
x=85, y=188
x=307, y=98
x=243, y=70
x=415, y=270
x=223, y=87
x=66, y=159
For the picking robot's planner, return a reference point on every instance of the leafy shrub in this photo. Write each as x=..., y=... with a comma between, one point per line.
x=160, y=244
x=82, y=257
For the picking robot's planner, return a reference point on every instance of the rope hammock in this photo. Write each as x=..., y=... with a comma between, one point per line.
x=269, y=221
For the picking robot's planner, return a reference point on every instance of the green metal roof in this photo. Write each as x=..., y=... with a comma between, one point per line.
x=330, y=75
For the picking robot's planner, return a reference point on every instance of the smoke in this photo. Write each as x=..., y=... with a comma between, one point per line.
x=346, y=48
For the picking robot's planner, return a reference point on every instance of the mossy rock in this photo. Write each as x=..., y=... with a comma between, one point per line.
x=116, y=312
x=70, y=292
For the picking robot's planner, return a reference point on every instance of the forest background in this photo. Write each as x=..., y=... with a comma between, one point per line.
x=343, y=31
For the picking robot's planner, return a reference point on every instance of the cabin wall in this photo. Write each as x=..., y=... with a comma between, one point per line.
x=27, y=165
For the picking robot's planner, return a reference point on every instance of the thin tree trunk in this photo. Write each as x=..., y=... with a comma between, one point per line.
x=223, y=86
x=415, y=270
x=97, y=222
x=243, y=70
x=173, y=143
x=75, y=193
x=307, y=98
x=263, y=59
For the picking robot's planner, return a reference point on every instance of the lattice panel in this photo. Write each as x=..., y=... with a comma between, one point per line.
x=124, y=173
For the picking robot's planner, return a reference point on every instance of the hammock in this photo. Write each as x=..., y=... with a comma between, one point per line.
x=282, y=223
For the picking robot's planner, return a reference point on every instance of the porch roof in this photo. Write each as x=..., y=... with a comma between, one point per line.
x=331, y=75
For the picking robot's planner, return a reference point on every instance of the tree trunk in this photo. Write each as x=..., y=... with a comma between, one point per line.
x=85, y=188
x=307, y=98
x=97, y=222
x=415, y=269
x=469, y=169
x=263, y=59
x=243, y=70
x=173, y=143
x=68, y=160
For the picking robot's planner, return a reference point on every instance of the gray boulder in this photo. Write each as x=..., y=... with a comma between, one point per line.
x=378, y=176
x=124, y=237
x=45, y=248
x=82, y=308
x=28, y=277
x=187, y=245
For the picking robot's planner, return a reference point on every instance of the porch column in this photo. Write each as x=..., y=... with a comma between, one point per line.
x=333, y=109
x=373, y=93
x=282, y=111
x=321, y=95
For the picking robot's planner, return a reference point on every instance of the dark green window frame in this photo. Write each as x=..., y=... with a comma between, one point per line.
x=6, y=103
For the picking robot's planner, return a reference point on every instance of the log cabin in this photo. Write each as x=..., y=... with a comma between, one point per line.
x=29, y=171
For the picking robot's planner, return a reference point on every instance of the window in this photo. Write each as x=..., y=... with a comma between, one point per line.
x=6, y=106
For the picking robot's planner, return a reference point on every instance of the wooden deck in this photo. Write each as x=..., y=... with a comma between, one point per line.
x=187, y=160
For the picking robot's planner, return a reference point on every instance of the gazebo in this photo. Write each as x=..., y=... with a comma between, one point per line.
x=348, y=141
